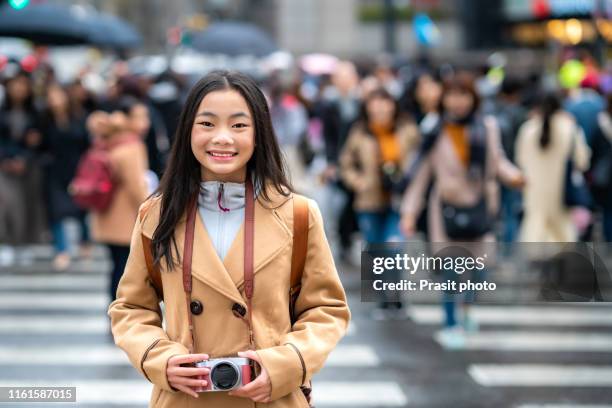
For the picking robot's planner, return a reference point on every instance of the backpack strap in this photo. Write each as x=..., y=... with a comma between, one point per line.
x=300, y=248
x=153, y=271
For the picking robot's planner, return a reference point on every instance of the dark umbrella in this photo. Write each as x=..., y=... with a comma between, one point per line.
x=234, y=39
x=110, y=31
x=54, y=24
x=45, y=24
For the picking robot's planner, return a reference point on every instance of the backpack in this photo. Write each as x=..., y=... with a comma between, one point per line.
x=94, y=183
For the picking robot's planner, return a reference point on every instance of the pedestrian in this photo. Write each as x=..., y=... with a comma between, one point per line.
x=544, y=145
x=64, y=141
x=601, y=168
x=465, y=159
x=377, y=153
x=22, y=217
x=128, y=160
x=339, y=111
x=226, y=185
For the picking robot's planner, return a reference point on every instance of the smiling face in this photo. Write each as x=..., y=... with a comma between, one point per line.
x=223, y=136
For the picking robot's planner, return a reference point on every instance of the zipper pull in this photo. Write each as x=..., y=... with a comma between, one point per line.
x=219, y=199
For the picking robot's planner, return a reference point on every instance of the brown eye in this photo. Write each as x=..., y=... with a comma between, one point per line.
x=206, y=124
x=240, y=125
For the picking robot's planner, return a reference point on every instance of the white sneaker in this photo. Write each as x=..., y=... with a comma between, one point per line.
x=451, y=338
x=7, y=256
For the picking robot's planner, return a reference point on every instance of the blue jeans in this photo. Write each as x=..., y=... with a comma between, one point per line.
x=510, y=211
x=379, y=226
x=449, y=298
x=60, y=243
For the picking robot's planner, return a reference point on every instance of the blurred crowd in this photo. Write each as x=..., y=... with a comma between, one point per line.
x=391, y=152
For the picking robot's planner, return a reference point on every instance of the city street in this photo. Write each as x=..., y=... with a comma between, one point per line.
x=54, y=332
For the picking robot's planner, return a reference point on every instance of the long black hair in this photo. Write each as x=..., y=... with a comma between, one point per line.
x=180, y=183
x=550, y=103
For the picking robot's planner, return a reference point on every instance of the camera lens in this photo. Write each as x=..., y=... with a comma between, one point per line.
x=224, y=376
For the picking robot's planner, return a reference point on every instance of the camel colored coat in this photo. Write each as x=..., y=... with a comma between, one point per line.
x=291, y=355
x=360, y=163
x=129, y=163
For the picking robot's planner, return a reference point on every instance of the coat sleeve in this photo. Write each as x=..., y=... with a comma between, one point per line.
x=136, y=319
x=322, y=317
x=132, y=164
x=348, y=165
x=414, y=197
x=504, y=169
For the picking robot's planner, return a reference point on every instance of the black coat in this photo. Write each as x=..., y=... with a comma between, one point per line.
x=63, y=149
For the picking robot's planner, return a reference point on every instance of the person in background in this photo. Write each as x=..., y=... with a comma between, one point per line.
x=128, y=158
x=377, y=153
x=422, y=96
x=510, y=115
x=64, y=141
x=544, y=145
x=290, y=121
x=340, y=110
x=22, y=218
x=464, y=158
x=601, y=168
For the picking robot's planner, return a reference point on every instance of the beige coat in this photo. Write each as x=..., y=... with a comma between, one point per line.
x=546, y=218
x=129, y=163
x=452, y=183
x=360, y=164
x=321, y=308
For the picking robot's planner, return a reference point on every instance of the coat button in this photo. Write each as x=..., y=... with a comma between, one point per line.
x=238, y=310
x=196, y=307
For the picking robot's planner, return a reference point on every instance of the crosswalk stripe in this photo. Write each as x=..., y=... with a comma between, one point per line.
x=103, y=355
x=541, y=375
x=522, y=315
x=563, y=406
x=54, y=301
x=124, y=392
x=534, y=341
x=49, y=325
x=353, y=356
x=14, y=282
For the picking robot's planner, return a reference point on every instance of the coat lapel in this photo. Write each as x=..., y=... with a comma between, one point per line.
x=271, y=236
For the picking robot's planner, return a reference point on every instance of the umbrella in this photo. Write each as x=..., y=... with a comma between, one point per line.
x=234, y=39
x=54, y=24
x=107, y=30
x=49, y=24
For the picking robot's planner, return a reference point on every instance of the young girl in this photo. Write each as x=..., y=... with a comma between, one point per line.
x=226, y=188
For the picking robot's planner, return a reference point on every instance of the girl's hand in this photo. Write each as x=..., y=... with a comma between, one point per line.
x=408, y=225
x=258, y=390
x=183, y=378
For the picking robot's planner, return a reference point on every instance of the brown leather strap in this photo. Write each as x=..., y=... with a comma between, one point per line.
x=300, y=249
x=249, y=234
x=187, y=259
x=152, y=270
x=249, y=230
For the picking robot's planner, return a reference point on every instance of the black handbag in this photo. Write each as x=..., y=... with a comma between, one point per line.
x=466, y=223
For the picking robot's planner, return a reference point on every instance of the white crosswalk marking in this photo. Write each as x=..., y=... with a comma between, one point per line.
x=62, y=282
x=541, y=375
x=54, y=324
x=535, y=341
x=54, y=301
x=581, y=315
